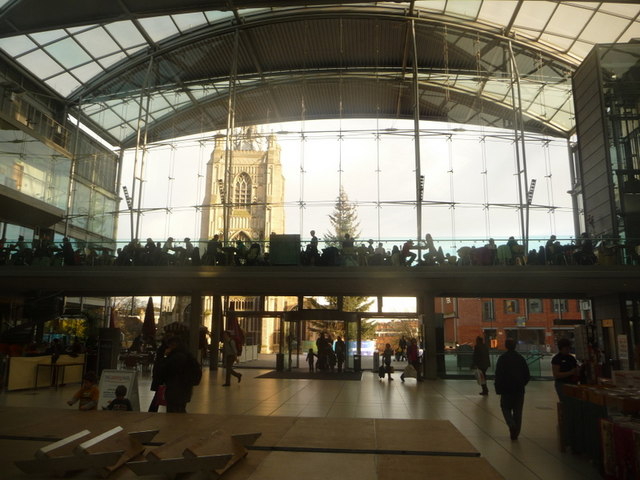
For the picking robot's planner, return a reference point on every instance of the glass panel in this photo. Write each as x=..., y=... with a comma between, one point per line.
x=3, y=3
x=246, y=12
x=568, y=20
x=15, y=46
x=159, y=28
x=627, y=10
x=435, y=6
x=47, y=37
x=215, y=16
x=632, y=32
x=64, y=84
x=534, y=15
x=81, y=203
x=98, y=42
x=76, y=30
x=581, y=49
x=112, y=59
x=497, y=90
x=497, y=12
x=133, y=51
x=107, y=118
x=121, y=132
x=467, y=8
x=604, y=29
x=187, y=21
x=87, y=72
x=68, y=53
x=57, y=190
x=561, y=43
x=126, y=34
x=158, y=102
x=41, y=64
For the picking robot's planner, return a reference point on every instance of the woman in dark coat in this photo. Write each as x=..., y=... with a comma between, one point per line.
x=155, y=375
x=482, y=362
x=174, y=373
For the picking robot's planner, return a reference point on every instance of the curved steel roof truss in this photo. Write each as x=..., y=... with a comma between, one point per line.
x=301, y=49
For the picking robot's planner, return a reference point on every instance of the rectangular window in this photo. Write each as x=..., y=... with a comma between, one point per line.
x=487, y=311
x=534, y=305
x=560, y=305
x=511, y=306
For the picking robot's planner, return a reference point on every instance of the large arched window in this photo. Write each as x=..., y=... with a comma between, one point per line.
x=242, y=190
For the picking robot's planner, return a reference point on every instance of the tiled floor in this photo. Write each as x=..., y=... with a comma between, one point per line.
x=534, y=456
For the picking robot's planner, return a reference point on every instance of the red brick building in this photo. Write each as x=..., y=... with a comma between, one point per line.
x=536, y=323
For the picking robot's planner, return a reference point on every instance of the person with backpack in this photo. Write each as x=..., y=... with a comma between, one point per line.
x=230, y=354
x=178, y=373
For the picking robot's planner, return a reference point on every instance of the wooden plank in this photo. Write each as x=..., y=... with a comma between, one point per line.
x=173, y=466
x=420, y=435
x=220, y=443
x=62, y=447
x=174, y=447
x=86, y=447
x=115, y=440
x=62, y=465
x=144, y=436
x=246, y=439
x=436, y=468
x=315, y=466
x=326, y=432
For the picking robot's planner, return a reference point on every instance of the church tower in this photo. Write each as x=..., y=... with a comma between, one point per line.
x=256, y=189
x=255, y=210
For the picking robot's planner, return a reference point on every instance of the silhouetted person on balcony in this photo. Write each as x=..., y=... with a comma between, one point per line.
x=406, y=255
x=68, y=255
x=347, y=242
x=552, y=251
x=311, y=254
x=214, y=248
x=584, y=254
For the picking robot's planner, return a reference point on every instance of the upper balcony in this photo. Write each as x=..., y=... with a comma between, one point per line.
x=550, y=281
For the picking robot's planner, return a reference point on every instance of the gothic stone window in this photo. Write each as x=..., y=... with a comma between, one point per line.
x=242, y=191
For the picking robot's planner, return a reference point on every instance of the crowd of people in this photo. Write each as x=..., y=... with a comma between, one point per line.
x=44, y=252
x=173, y=383
x=330, y=355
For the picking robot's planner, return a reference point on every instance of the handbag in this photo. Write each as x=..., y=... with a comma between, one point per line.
x=480, y=377
x=160, y=395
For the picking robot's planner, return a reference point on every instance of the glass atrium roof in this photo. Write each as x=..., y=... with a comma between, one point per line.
x=301, y=60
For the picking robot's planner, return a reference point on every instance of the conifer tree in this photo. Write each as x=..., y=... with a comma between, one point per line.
x=344, y=220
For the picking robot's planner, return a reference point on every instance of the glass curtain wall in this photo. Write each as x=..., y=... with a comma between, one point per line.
x=470, y=192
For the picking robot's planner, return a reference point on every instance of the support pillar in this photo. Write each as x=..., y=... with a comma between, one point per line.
x=426, y=310
x=216, y=332
x=195, y=320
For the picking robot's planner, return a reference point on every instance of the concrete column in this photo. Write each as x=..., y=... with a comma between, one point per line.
x=195, y=320
x=426, y=310
x=216, y=332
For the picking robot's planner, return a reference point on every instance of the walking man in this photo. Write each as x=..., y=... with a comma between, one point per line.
x=481, y=361
x=230, y=353
x=512, y=374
